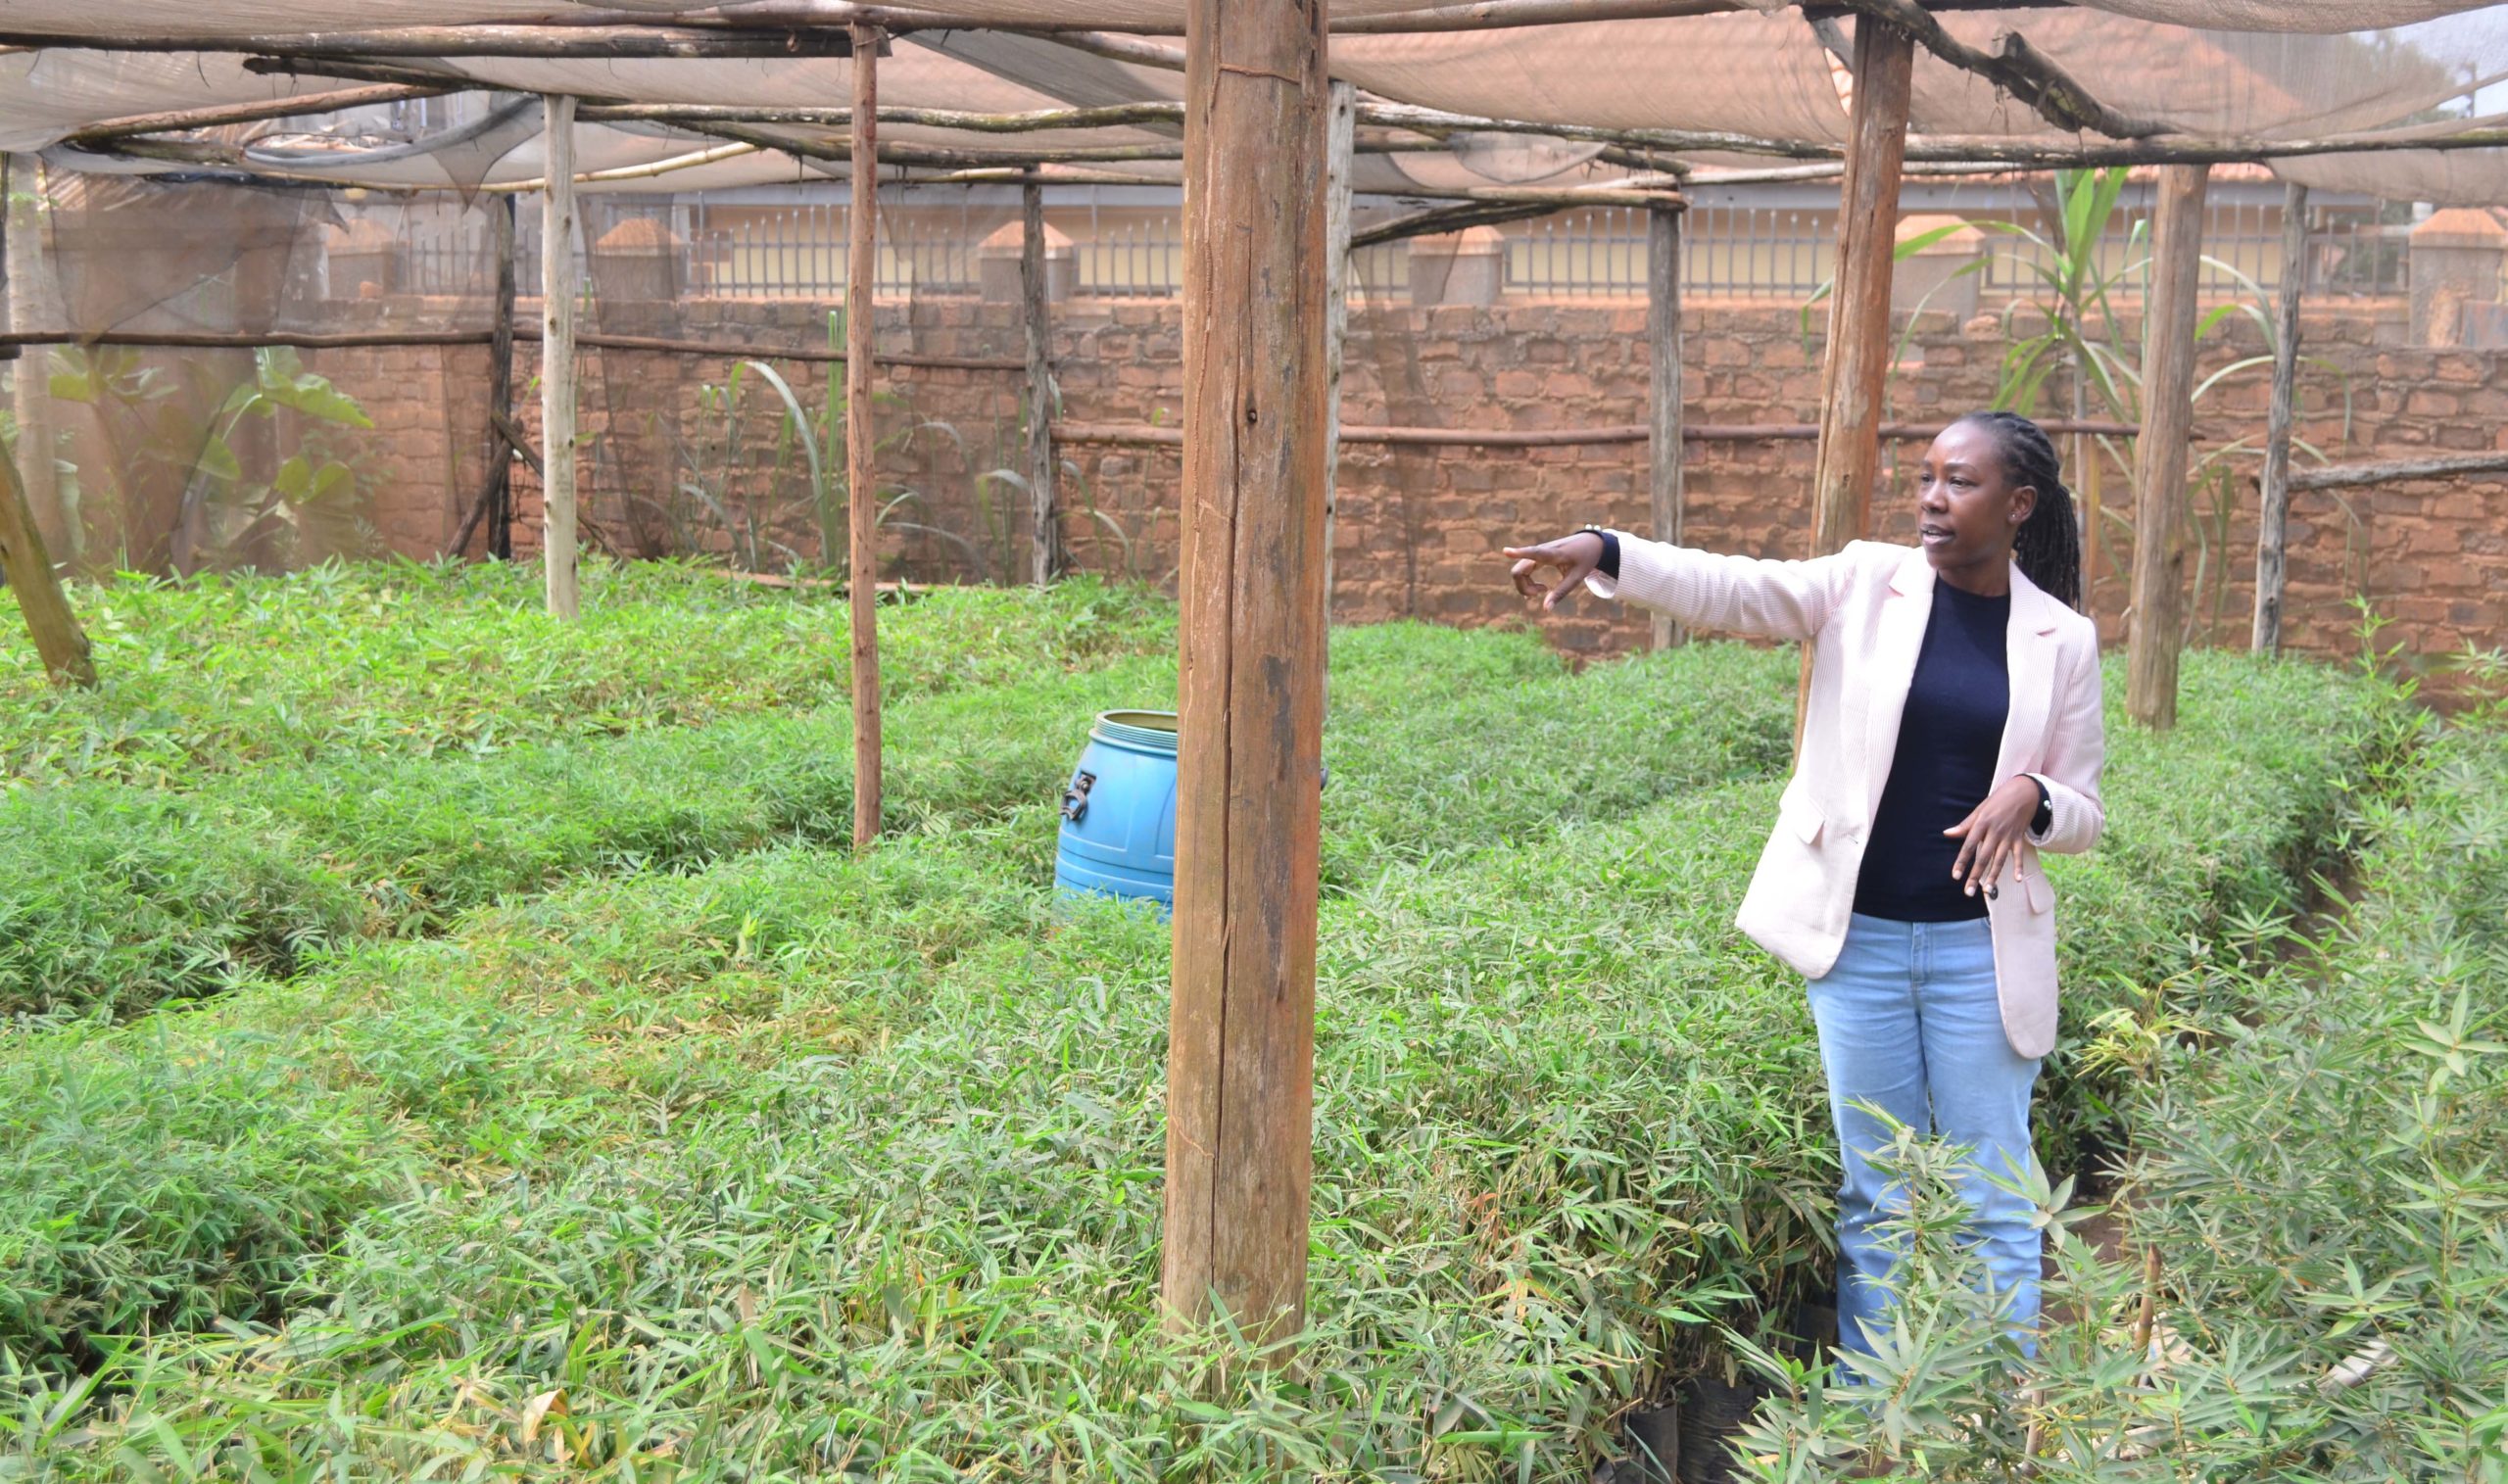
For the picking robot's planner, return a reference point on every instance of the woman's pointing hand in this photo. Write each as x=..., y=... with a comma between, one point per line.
x=1575, y=557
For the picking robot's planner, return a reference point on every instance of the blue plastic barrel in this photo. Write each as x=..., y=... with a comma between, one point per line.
x=1119, y=811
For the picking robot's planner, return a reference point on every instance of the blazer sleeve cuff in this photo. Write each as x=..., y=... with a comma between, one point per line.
x=2073, y=823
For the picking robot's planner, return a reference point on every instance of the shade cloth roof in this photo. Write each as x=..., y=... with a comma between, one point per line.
x=2206, y=70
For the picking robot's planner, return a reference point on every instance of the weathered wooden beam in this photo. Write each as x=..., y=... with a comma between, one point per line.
x=1497, y=15
x=941, y=157
x=584, y=339
x=596, y=42
x=2015, y=67
x=1340, y=158
x=2345, y=476
x=561, y=290
x=245, y=338
x=861, y=436
x=1034, y=121
x=349, y=69
x=303, y=105
x=34, y=299
x=1664, y=447
x=1490, y=206
x=1144, y=435
x=1045, y=525
x=2159, y=618
x=1115, y=47
x=1856, y=365
x=1855, y=373
x=1241, y=1031
x=24, y=562
x=808, y=355
x=2273, y=519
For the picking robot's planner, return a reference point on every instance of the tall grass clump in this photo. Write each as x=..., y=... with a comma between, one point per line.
x=807, y=1163
x=166, y=1182
x=115, y=899
x=1428, y=745
x=211, y=675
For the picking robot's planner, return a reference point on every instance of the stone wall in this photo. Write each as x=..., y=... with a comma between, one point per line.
x=1419, y=529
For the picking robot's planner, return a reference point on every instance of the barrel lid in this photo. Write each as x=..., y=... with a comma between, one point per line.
x=1148, y=731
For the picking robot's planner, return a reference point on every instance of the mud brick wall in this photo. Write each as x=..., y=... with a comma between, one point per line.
x=1418, y=529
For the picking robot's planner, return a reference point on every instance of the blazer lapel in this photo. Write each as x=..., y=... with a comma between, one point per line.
x=1898, y=638
x=2029, y=659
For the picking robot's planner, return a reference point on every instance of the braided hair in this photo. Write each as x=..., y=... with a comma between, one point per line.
x=2048, y=544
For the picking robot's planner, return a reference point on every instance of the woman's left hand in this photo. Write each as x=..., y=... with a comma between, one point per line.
x=1991, y=837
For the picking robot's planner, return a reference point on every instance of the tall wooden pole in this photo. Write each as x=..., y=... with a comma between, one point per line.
x=2159, y=464
x=34, y=303
x=2273, y=521
x=861, y=438
x=1045, y=535
x=1242, y=1043
x=1663, y=388
x=1341, y=155
x=559, y=289
x=1855, y=374
x=59, y=642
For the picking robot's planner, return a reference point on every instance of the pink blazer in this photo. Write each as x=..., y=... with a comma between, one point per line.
x=1866, y=608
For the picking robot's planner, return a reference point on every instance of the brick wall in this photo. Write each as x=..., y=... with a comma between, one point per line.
x=1418, y=529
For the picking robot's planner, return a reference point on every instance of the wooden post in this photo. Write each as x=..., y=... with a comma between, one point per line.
x=1044, y=536
x=2273, y=520
x=1242, y=1044
x=58, y=640
x=34, y=303
x=1340, y=153
x=1663, y=388
x=1855, y=373
x=861, y=438
x=2159, y=466
x=560, y=287
x=26, y=565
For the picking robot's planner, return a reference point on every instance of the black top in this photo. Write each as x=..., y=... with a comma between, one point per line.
x=1945, y=764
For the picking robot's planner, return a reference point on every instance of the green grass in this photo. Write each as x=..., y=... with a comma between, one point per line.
x=1430, y=753
x=396, y=659
x=780, y=1160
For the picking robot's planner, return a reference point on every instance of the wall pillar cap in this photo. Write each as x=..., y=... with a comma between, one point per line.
x=2461, y=226
x=1012, y=240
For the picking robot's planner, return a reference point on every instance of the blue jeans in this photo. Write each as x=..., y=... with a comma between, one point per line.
x=1909, y=1024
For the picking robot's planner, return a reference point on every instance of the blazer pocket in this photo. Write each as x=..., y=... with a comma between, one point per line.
x=1798, y=813
x=2040, y=891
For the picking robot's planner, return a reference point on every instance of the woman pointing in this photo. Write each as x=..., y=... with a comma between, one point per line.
x=1953, y=730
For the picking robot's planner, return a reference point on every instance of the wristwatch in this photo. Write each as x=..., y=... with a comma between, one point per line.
x=2043, y=820
x=1608, y=565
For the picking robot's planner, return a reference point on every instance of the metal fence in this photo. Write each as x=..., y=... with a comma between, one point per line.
x=2349, y=254
x=1729, y=251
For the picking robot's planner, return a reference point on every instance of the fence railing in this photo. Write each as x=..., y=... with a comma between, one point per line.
x=2349, y=255
x=1727, y=252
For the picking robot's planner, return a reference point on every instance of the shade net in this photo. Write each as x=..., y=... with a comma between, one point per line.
x=742, y=457
x=179, y=457
x=175, y=458
x=382, y=220
x=2236, y=71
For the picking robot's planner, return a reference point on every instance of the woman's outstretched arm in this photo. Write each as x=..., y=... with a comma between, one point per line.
x=1736, y=594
